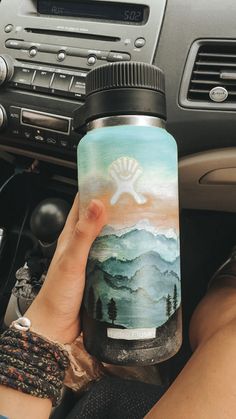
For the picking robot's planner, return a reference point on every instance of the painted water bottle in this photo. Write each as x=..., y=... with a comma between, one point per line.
x=132, y=302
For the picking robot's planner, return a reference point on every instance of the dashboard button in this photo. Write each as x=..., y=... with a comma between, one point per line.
x=23, y=77
x=28, y=135
x=14, y=116
x=99, y=54
x=14, y=44
x=77, y=52
x=33, y=52
x=42, y=80
x=39, y=138
x=51, y=49
x=118, y=56
x=140, y=42
x=77, y=88
x=51, y=141
x=61, y=56
x=15, y=131
x=61, y=82
x=91, y=60
x=8, y=28
x=63, y=143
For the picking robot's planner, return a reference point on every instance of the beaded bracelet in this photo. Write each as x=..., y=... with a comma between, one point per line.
x=32, y=361
x=32, y=364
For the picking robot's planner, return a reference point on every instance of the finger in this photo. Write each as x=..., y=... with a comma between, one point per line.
x=70, y=224
x=73, y=216
x=74, y=258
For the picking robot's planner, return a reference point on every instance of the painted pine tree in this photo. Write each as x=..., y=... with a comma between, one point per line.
x=99, y=311
x=112, y=310
x=168, y=306
x=175, y=298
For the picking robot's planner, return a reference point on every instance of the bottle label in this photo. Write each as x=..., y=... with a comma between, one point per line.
x=133, y=273
x=131, y=334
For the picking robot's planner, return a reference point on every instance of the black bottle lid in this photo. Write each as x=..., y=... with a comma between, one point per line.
x=124, y=88
x=125, y=75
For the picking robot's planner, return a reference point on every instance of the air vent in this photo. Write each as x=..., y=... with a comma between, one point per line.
x=209, y=79
x=215, y=66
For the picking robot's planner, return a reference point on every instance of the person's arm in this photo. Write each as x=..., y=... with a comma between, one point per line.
x=16, y=405
x=54, y=313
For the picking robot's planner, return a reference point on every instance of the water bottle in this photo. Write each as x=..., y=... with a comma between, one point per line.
x=132, y=300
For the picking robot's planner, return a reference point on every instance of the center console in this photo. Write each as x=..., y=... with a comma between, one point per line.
x=47, y=49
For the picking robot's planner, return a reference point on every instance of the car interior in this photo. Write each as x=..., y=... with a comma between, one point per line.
x=47, y=48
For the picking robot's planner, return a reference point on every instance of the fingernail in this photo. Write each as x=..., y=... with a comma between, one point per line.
x=93, y=211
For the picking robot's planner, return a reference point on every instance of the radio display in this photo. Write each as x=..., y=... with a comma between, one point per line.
x=101, y=10
x=41, y=120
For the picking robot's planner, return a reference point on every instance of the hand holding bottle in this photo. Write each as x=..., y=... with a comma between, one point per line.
x=55, y=311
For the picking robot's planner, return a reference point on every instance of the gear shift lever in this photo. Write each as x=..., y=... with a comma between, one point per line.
x=47, y=222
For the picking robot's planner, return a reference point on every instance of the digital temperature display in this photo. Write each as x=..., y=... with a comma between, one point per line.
x=100, y=10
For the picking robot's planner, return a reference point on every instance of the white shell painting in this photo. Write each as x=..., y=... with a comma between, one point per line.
x=125, y=171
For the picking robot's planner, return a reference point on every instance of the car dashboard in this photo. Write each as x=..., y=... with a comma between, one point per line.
x=47, y=49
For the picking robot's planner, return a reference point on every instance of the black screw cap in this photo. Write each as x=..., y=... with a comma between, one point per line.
x=125, y=75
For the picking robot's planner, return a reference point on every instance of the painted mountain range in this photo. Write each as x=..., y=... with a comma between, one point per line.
x=133, y=244
x=139, y=270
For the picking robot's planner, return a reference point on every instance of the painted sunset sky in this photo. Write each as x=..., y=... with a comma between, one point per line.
x=158, y=182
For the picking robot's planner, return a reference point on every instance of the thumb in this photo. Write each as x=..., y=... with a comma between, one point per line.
x=74, y=258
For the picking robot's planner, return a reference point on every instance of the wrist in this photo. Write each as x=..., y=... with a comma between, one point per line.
x=49, y=325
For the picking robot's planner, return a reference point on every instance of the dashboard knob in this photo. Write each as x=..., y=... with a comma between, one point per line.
x=3, y=117
x=6, y=68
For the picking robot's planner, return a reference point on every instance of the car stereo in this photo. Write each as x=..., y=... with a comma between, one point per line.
x=47, y=49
